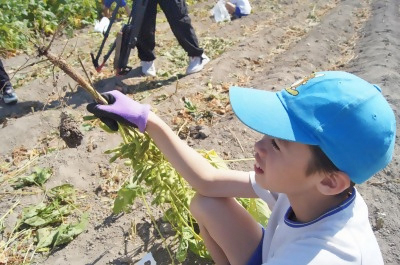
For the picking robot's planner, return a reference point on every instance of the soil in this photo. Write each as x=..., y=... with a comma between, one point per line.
x=69, y=131
x=280, y=42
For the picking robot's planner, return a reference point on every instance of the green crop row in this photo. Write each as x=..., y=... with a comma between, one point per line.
x=24, y=20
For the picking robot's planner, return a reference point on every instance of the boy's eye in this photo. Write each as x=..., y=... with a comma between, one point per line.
x=274, y=145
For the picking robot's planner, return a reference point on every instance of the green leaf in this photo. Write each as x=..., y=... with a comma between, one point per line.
x=39, y=177
x=191, y=108
x=106, y=128
x=87, y=127
x=24, y=181
x=213, y=158
x=42, y=175
x=110, y=151
x=89, y=118
x=36, y=221
x=259, y=210
x=63, y=193
x=198, y=248
x=115, y=157
x=124, y=199
x=66, y=233
x=31, y=211
x=183, y=244
x=47, y=215
x=45, y=237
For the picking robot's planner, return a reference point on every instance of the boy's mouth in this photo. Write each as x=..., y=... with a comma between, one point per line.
x=258, y=169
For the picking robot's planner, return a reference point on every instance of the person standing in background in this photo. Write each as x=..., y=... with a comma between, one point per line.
x=178, y=18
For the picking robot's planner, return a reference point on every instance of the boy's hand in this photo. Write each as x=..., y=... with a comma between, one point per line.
x=120, y=109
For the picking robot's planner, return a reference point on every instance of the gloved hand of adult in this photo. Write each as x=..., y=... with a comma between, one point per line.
x=120, y=109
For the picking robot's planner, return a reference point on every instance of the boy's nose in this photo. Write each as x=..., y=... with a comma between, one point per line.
x=260, y=147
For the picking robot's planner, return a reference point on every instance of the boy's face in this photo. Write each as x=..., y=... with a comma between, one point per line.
x=281, y=166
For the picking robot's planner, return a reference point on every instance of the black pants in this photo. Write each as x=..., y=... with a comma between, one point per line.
x=4, y=79
x=176, y=13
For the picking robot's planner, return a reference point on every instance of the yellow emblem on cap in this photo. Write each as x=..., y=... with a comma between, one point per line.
x=292, y=89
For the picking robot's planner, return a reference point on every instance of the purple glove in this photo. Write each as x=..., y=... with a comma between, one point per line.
x=120, y=109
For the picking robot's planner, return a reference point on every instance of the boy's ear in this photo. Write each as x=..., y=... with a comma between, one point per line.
x=334, y=183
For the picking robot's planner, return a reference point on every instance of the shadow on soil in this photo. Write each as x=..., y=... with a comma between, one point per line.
x=151, y=243
x=81, y=97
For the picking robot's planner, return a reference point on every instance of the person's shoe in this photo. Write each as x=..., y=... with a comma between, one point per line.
x=8, y=95
x=148, y=68
x=196, y=64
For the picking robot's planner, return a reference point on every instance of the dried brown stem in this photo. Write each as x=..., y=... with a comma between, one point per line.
x=58, y=30
x=25, y=65
x=84, y=70
x=63, y=65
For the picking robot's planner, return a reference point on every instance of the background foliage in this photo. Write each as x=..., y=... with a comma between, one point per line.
x=22, y=19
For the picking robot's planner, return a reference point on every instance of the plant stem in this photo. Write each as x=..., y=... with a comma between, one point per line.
x=9, y=210
x=63, y=65
x=155, y=225
x=238, y=160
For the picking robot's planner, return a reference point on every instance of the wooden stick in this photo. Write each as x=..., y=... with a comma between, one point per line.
x=63, y=65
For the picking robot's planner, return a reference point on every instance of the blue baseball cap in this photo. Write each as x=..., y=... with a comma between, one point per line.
x=347, y=117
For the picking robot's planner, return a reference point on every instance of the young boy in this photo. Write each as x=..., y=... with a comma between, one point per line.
x=321, y=135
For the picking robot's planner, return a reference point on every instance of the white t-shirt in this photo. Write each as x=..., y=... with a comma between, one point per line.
x=243, y=5
x=343, y=235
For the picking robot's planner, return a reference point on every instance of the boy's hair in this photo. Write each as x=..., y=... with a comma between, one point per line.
x=344, y=115
x=321, y=163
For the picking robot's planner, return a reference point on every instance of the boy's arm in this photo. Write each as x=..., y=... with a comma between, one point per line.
x=201, y=175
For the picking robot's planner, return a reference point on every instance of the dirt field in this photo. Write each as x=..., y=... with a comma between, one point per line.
x=280, y=42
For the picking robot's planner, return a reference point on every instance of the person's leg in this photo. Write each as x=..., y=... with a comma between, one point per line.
x=126, y=7
x=146, y=40
x=237, y=13
x=4, y=78
x=178, y=18
x=127, y=10
x=106, y=8
x=230, y=233
x=7, y=93
x=106, y=12
x=213, y=248
x=230, y=7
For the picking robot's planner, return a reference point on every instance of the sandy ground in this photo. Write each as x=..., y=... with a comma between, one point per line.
x=280, y=42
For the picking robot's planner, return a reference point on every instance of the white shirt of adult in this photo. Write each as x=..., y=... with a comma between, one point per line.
x=243, y=5
x=343, y=235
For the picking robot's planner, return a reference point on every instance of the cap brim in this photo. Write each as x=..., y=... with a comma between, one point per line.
x=264, y=112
